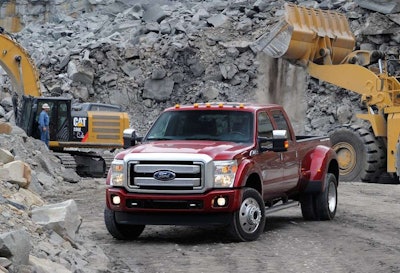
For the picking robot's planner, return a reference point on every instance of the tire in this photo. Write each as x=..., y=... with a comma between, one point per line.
x=248, y=222
x=321, y=206
x=361, y=156
x=118, y=231
x=326, y=201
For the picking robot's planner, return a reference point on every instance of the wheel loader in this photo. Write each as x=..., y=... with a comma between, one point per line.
x=321, y=41
x=77, y=132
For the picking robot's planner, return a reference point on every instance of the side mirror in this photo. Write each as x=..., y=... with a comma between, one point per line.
x=278, y=142
x=130, y=138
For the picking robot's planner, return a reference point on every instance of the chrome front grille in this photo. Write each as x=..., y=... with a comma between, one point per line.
x=175, y=176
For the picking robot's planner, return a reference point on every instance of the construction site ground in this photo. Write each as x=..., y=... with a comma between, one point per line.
x=363, y=237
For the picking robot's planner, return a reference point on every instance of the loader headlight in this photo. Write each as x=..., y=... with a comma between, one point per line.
x=117, y=173
x=224, y=173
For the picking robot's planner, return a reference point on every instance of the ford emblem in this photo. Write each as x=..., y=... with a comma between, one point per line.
x=164, y=175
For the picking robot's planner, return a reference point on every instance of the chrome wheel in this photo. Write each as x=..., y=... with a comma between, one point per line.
x=250, y=215
x=332, y=197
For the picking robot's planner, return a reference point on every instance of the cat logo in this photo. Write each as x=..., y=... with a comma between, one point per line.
x=79, y=122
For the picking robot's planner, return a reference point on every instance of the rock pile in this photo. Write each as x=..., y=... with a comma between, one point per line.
x=146, y=57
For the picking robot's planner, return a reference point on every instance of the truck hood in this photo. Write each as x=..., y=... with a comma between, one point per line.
x=214, y=149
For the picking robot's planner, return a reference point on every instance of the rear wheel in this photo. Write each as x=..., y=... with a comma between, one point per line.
x=249, y=221
x=361, y=156
x=118, y=231
x=326, y=201
x=321, y=206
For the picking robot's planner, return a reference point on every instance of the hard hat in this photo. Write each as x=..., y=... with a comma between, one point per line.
x=45, y=106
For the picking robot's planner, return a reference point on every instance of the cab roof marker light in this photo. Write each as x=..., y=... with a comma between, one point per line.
x=208, y=105
x=241, y=106
x=196, y=105
x=177, y=106
x=221, y=105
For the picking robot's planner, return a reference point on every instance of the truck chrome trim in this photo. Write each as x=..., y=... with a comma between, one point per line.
x=168, y=173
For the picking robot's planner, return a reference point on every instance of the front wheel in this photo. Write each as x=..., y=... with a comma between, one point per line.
x=249, y=221
x=118, y=231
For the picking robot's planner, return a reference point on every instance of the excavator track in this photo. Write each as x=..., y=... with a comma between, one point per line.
x=67, y=160
x=108, y=158
x=86, y=164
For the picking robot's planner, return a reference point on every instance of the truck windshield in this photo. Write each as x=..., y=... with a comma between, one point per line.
x=221, y=125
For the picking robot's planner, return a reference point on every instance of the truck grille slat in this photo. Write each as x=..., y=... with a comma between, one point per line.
x=180, y=176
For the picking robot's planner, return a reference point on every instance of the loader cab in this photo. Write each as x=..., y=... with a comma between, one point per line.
x=60, y=117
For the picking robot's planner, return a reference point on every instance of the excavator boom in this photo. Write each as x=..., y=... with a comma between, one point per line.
x=19, y=67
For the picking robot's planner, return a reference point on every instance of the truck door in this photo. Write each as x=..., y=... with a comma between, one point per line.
x=269, y=162
x=289, y=158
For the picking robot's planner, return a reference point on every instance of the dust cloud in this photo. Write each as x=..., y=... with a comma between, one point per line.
x=283, y=83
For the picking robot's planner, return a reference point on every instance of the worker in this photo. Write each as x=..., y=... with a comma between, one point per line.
x=44, y=121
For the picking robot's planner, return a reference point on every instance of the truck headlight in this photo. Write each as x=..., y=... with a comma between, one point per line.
x=117, y=173
x=224, y=173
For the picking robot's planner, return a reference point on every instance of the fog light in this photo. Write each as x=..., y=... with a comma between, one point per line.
x=116, y=200
x=221, y=201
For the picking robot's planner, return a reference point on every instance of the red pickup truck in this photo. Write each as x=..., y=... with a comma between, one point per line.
x=219, y=164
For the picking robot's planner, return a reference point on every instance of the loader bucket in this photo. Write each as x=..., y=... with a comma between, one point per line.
x=305, y=34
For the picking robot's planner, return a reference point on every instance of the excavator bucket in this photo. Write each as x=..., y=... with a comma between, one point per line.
x=305, y=34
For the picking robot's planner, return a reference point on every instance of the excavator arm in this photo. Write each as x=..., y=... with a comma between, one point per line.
x=19, y=67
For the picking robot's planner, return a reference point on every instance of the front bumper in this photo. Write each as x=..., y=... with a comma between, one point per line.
x=160, y=209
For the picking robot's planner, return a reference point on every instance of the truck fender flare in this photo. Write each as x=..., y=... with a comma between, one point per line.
x=314, y=167
x=247, y=169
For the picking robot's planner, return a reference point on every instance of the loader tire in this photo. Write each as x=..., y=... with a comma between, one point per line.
x=361, y=155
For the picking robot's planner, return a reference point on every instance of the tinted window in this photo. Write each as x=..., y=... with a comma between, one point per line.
x=264, y=125
x=235, y=126
x=280, y=121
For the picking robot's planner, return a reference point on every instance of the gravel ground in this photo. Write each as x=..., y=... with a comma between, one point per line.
x=362, y=238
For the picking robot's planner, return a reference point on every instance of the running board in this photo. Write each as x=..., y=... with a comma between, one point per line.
x=279, y=207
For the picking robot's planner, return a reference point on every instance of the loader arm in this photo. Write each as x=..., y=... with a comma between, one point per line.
x=19, y=67
x=375, y=90
x=321, y=41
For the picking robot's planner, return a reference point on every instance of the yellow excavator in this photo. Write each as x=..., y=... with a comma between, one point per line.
x=76, y=130
x=321, y=41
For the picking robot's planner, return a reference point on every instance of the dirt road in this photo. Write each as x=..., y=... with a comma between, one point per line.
x=364, y=237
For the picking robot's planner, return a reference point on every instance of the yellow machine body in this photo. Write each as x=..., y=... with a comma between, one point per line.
x=101, y=129
x=322, y=42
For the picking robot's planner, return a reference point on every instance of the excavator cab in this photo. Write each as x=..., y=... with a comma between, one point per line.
x=60, y=117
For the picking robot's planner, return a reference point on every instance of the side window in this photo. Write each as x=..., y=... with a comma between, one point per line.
x=281, y=121
x=264, y=125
